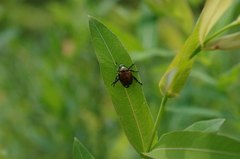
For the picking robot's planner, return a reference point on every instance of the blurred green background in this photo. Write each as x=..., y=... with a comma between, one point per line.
x=50, y=85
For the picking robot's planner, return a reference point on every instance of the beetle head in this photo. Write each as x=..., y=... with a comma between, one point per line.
x=122, y=66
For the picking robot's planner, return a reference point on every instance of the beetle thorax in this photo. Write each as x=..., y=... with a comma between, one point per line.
x=123, y=69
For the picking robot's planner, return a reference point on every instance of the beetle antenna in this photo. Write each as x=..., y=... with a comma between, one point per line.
x=116, y=65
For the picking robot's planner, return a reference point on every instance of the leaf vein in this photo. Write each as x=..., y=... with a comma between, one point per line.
x=135, y=117
x=104, y=42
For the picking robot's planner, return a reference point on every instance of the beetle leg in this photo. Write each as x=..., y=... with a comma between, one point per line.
x=116, y=65
x=132, y=70
x=116, y=80
x=136, y=80
x=130, y=66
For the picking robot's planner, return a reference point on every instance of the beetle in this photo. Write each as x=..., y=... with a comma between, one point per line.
x=125, y=76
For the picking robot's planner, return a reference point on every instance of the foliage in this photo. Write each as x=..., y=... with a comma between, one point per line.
x=109, y=50
x=52, y=90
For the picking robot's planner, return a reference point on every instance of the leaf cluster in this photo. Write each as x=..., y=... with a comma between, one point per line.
x=200, y=140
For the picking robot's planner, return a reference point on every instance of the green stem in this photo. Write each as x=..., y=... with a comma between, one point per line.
x=161, y=109
x=233, y=24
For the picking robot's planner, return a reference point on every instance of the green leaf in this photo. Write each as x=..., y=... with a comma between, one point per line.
x=129, y=103
x=207, y=125
x=183, y=60
x=170, y=77
x=227, y=42
x=183, y=64
x=213, y=10
x=195, y=145
x=79, y=151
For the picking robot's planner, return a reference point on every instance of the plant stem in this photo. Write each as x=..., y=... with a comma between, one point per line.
x=161, y=109
x=233, y=24
x=198, y=49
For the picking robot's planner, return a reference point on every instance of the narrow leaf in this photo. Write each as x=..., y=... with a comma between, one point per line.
x=195, y=145
x=183, y=63
x=207, y=125
x=79, y=151
x=129, y=103
x=213, y=10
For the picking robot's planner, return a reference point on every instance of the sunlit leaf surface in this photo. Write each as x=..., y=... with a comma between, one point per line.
x=197, y=145
x=213, y=10
x=207, y=125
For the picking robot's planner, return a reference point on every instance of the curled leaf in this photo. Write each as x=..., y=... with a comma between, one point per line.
x=171, y=85
x=213, y=10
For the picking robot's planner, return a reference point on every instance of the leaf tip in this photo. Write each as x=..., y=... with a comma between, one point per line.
x=90, y=17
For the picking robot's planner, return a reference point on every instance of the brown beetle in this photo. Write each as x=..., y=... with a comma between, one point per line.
x=125, y=76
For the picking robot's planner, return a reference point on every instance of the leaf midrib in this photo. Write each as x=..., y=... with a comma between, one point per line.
x=140, y=133
x=104, y=42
